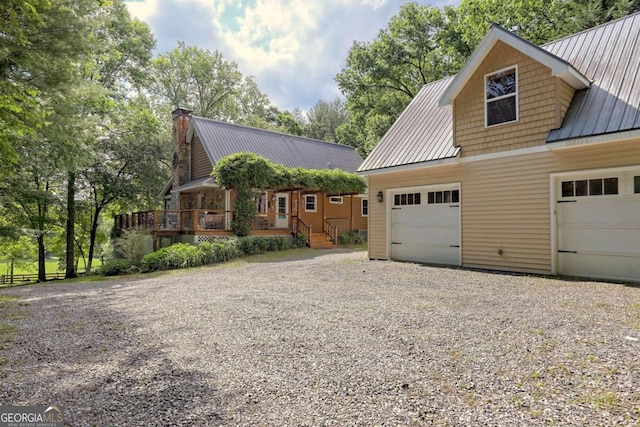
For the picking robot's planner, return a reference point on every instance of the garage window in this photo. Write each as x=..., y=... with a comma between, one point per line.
x=406, y=199
x=590, y=187
x=450, y=196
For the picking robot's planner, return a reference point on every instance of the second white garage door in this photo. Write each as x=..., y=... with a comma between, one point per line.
x=425, y=224
x=598, y=224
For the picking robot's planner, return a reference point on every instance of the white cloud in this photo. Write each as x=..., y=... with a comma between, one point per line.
x=293, y=48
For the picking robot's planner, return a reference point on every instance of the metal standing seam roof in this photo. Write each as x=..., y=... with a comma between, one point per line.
x=608, y=55
x=221, y=139
x=423, y=132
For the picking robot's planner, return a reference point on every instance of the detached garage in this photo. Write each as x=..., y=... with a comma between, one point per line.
x=528, y=160
x=425, y=224
x=598, y=223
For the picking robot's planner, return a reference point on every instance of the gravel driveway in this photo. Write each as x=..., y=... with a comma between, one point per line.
x=332, y=339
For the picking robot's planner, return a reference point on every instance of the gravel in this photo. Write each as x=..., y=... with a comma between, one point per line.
x=328, y=339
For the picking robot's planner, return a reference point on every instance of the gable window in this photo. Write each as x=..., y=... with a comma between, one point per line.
x=501, y=96
x=365, y=207
x=310, y=203
x=335, y=200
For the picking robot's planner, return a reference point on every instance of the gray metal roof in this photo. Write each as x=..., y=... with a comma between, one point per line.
x=422, y=133
x=609, y=55
x=221, y=139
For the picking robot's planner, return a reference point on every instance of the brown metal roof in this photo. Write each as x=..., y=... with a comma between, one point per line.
x=609, y=55
x=221, y=139
x=422, y=133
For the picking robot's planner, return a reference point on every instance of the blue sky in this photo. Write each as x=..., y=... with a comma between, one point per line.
x=292, y=48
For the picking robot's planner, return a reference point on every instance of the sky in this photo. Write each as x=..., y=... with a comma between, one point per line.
x=292, y=48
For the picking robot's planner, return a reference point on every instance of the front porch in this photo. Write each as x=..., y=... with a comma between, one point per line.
x=204, y=225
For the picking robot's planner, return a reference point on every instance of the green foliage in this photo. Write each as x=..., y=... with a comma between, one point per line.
x=253, y=171
x=213, y=253
x=247, y=171
x=117, y=267
x=299, y=240
x=324, y=120
x=133, y=244
x=350, y=238
x=183, y=255
x=422, y=44
x=260, y=244
x=209, y=85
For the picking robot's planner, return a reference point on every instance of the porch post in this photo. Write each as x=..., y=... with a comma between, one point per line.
x=351, y=213
x=227, y=208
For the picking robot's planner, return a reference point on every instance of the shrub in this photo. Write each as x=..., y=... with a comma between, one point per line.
x=117, y=267
x=213, y=253
x=260, y=244
x=299, y=241
x=350, y=238
x=178, y=255
x=133, y=245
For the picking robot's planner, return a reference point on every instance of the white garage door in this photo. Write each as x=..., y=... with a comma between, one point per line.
x=425, y=225
x=598, y=225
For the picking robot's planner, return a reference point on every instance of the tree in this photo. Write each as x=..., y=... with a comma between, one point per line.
x=126, y=159
x=204, y=82
x=381, y=77
x=324, y=120
x=38, y=40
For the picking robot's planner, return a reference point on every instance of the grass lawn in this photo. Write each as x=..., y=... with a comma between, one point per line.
x=51, y=266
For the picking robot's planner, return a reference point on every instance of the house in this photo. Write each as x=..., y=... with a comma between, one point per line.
x=528, y=160
x=196, y=209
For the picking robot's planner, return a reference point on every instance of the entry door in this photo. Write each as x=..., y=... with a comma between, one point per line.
x=282, y=210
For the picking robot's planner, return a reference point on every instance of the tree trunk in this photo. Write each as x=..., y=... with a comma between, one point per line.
x=92, y=238
x=71, y=218
x=13, y=260
x=42, y=272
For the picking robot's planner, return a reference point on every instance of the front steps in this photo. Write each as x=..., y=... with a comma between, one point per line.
x=321, y=241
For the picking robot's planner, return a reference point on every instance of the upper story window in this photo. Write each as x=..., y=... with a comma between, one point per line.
x=335, y=200
x=501, y=96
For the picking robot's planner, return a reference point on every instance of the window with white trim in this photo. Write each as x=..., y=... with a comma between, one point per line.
x=501, y=96
x=365, y=207
x=337, y=200
x=310, y=203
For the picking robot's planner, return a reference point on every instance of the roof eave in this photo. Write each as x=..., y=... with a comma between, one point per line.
x=559, y=67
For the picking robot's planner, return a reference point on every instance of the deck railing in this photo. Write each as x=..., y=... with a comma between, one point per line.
x=198, y=220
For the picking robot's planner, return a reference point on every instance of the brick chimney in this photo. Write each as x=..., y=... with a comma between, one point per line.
x=181, y=152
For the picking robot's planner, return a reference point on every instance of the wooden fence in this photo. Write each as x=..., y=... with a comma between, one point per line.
x=27, y=278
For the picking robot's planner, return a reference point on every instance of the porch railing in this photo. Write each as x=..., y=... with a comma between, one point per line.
x=301, y=227
x=198, y=220
x=331, y=230
x=342, y=224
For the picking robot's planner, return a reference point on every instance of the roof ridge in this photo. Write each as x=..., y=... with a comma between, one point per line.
x=586, y=30
x=275, y=132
